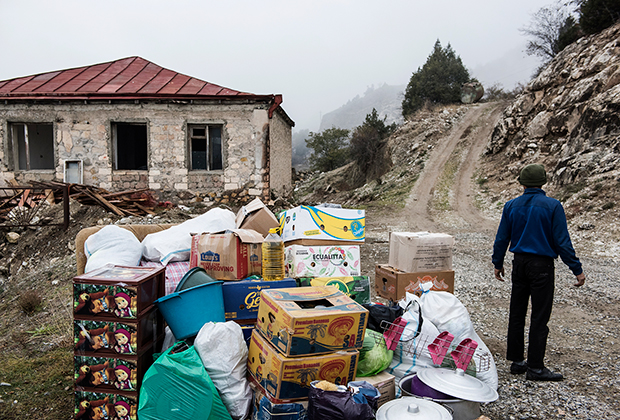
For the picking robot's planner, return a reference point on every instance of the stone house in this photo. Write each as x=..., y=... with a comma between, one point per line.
x=131, y=124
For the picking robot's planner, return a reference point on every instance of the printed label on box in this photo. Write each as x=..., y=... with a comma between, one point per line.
x=290, y=377
x=323, y=223
x=97, y=405
x=104, y=373
x=322, y=261
x=311, y=320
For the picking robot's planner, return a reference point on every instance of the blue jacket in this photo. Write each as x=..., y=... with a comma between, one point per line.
x=535, y=224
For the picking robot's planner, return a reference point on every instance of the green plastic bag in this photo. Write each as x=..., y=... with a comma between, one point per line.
x=374, y=355
x=177, y=387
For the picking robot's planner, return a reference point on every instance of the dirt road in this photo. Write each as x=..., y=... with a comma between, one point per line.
x=583, y=342
x=444, y=193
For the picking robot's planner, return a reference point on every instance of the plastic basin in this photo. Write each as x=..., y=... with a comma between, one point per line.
x=188, y=310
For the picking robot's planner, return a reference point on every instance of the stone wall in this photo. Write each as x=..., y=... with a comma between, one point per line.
x=281, y=153
x=84, y=131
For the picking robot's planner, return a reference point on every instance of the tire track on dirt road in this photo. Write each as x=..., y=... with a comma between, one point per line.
x=444, y=194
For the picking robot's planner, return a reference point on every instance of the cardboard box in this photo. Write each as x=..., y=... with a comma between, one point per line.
x=98, y=405
x=290, y=377
x=414, y=252
x=385, y=383
x=113, y=374
x=323, y=223
x=230, y=255
x=116, y=292
x=392, y=284
x=322, y=261
x=247, y=326
x=311, y=320
x=356, y=287
x=241, y=298
x=256, y=216
x=115, y=338
x=265, y=407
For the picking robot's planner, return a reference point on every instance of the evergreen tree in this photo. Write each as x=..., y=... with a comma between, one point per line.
x=368, y=138
x=438, y=81
x=597, y=15
x=330, y=149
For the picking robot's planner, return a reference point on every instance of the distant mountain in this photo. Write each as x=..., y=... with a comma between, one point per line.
x=385, y=99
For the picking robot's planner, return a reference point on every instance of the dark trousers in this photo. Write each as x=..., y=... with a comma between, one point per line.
x=533, y=277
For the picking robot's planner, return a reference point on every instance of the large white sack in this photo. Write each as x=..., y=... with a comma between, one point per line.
x=410, y=354
x=447, y=313
x=112, y=245
x=224, y=354
x=174, y=243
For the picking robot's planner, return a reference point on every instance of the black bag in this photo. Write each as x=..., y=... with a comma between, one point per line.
x=378, y=313
x=337, y=405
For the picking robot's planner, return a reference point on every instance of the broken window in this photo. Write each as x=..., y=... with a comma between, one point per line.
x=130, y=146
x=205, y=147
x=32, y=146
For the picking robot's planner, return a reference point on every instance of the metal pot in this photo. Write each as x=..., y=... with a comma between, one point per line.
x=411, y=408
x=461, y=409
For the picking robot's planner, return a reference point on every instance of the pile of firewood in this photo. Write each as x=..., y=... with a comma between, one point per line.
x=123, y=203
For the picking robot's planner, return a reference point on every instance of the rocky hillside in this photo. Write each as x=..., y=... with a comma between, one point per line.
x=567, y=118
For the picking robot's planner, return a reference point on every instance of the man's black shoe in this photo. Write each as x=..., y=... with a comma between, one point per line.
x=543, y=374
x=518, y=368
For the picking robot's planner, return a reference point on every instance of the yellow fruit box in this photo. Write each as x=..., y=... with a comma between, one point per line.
x=323, y=223
x=289, y=378
x=311, y=320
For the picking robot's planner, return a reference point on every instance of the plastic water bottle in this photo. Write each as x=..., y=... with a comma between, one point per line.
x=273, y=256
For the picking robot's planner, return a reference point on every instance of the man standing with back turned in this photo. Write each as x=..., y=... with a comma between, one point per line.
x=534, y=226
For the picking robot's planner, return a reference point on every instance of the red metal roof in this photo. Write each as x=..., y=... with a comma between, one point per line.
x=127, y=78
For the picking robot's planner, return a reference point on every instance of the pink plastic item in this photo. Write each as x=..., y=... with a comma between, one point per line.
x=394, y=332
x=463, y=353
x=439, y=347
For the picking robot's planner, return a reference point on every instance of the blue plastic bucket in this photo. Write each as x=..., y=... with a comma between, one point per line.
x=188, y=310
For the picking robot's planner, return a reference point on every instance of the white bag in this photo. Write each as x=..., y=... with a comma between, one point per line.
x=112, y=245
x=174, y=243
x=409, y=355
x=224, y=354
x=447, y=313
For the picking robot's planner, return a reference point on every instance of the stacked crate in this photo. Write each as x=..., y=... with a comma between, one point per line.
x=416, y=258
x=323, y=249
x=305, y=334
x=117, y=330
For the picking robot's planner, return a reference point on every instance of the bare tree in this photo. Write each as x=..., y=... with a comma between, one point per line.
x=547, y=25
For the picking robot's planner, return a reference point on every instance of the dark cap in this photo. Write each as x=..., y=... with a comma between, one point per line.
x=533, y=175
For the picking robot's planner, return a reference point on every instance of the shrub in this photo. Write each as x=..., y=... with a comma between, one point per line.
x=30, y=302
x=597, y=15
x=368, y=139
x=330, y=149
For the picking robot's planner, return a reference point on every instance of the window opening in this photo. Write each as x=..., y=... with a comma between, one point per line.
x=205, y=147
x=33, y=146
x=131, y=150
x=73, y=172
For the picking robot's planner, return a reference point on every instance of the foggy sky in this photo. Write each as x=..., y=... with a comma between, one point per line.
x=318, y=54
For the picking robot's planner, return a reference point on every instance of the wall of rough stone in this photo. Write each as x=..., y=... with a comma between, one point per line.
x=281, y=155
x=84, y=131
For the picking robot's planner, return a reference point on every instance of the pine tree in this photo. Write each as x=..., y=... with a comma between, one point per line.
x=439, y=81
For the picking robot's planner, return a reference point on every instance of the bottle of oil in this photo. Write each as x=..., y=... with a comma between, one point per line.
x=273, y=256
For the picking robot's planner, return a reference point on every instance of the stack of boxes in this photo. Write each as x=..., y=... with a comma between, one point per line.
x=235, y=255
x=302, y=334
x=323, y=248
x=117, y=329
x=416, y=258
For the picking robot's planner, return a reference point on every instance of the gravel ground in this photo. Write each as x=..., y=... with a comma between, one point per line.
x=583, y=342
